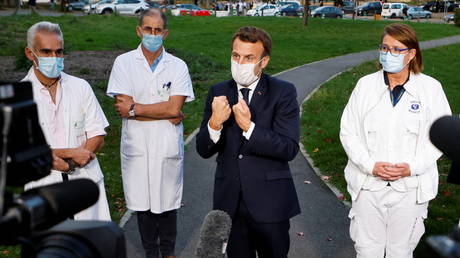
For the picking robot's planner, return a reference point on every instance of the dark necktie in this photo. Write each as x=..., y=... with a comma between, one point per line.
x=245, y=93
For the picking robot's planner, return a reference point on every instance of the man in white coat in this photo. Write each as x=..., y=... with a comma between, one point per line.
x=69, y=114
x=151, y=87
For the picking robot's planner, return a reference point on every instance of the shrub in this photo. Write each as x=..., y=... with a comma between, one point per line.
x=457, y=17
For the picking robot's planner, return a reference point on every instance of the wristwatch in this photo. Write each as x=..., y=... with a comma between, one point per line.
x=131, y=111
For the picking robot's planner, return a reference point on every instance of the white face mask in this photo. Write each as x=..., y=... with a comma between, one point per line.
x=243, y=74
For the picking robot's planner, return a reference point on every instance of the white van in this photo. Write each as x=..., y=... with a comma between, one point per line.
x=393, y=10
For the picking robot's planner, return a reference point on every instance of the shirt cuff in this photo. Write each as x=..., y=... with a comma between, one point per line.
x=248, y=134
x=92, y=134
x=214, y=134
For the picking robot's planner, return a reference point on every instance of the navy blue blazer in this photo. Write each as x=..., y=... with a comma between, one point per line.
x=258, y=167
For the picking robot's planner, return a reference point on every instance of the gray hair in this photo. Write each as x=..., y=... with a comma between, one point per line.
x=43, y=26
x=152, y=12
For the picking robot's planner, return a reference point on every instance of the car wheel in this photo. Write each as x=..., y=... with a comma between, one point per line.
x=411, y=17
x=428, y=16
x=338, y=16
x=256, y=14
x=70, y=8
x=137, y=12
x=107, y=11
x=277, y=14
x=393, y=16
x=364, y=13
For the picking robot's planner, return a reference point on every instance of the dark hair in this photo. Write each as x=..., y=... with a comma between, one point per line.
x=152, y=12
x=254, y=34
x=406, y=35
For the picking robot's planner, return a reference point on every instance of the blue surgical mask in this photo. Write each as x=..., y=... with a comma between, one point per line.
x=50, y=67
x=152, y=42
x=390, y=63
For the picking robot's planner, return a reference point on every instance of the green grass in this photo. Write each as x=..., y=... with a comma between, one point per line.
x=321, y=125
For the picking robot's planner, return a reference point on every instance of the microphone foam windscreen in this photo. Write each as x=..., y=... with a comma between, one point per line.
x=445, y=135
x=214, y=235
x=69, y=197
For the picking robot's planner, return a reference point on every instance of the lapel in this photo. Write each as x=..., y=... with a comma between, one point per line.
x=65, y=102
x=232, y=93
x=258, y=97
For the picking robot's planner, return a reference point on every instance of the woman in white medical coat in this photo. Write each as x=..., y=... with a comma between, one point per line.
x=391, y=172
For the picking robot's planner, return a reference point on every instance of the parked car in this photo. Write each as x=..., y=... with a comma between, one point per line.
x=394, y=10
x=189, y=9
x=76, y=5
x=289, y=10
x=106, y=7
x=327, y=11
x=438, y=6
x=348, y=6
x=263, y=10
x=91, y=8
x=131, y=6
x=449, y=18
x=418, y=12
x=369, y=8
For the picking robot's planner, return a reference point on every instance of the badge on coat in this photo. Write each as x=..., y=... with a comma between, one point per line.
x=414, y=107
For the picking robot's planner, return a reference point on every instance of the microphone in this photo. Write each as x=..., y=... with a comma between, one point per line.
x=214, y=235
x=445, y=135
x=43, y=207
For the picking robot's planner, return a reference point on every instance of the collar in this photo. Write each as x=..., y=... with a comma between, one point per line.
x=140, y=55
x=408, y=85
x=387, y=81
x=36, y=82
x=252, y=87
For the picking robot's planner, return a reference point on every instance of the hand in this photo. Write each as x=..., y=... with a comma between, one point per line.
x=220, y=112
x=242, y=115
x=123, y=104
x=82, y=156
x=381, y=170
x=60, y=164
x=401, y=169
x=177, y=120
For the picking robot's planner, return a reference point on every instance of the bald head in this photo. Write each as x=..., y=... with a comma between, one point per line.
x=153, y=12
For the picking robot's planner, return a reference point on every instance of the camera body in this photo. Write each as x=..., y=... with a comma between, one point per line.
x=38, y=219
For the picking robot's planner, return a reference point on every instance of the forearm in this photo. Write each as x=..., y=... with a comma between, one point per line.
x=94, y=144
x=162, y=110
x=65, y=153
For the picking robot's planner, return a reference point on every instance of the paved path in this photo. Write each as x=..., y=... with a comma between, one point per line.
x=323, y=220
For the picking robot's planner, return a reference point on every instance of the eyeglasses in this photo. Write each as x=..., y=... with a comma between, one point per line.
x=153, y=31
x=394, y=51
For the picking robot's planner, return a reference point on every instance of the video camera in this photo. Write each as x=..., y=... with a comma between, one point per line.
x=32, y=218
x=445, y=135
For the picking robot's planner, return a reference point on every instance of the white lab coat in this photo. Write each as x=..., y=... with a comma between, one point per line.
x=359, y=127
x=83, y=114
x=152, y=152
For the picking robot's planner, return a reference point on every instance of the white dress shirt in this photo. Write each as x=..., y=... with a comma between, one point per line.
x=215, y=134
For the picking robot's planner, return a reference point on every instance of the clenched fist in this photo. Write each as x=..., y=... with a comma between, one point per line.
x=242, y=115
x=220, y=112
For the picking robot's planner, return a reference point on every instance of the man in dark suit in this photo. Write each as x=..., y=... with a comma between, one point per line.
x=252, y=123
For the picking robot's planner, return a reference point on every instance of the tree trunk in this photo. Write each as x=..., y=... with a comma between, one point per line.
x=306, y=12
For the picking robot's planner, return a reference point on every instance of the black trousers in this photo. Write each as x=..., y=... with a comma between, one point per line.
x=158, y=232
x=247, y=237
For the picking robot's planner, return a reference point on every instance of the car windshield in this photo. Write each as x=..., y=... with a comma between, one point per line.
x=386, y=6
